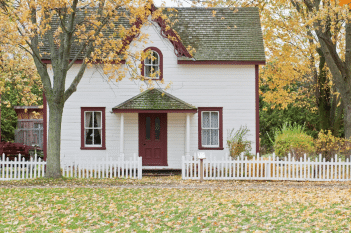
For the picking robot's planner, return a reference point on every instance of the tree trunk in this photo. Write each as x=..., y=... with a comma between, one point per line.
x=337, y=115
x=54, y=141
x=324, y=94
x=347, y=119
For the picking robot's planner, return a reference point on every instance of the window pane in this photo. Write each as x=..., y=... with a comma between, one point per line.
x=157, y=128
x=97, y=119
x=88, y=119
x=155, y=71
x=214, y=120
x=214, y=137
x=148, y=128
x=156, y=58
x=97, y=136
x=88, y=137
x=205, y=120
x=147, y=60
x=205, y=137
x=147, y=71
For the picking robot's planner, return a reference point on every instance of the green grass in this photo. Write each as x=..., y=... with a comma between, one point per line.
x=97, y=209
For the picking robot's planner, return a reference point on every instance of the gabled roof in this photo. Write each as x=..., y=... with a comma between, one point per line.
x=154, y=99
x=231, y=35
x=217, y=34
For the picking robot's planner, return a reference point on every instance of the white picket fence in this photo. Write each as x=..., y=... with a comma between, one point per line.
x=271, y=168
x=107, y=167
x=20, y=169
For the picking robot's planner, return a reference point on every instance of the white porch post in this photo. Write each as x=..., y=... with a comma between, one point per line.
x=187, y=143
x=121, y=136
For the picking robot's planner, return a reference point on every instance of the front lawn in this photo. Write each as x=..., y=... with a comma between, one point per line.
x=142, y=209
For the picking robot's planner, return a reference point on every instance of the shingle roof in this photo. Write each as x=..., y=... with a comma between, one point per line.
x=80, y=16
x=154, y=99
x=231, y=35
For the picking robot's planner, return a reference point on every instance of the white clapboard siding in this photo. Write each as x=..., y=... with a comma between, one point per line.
x=271, y=168
x=20, y=169
x=107, y=167
x=229, y=86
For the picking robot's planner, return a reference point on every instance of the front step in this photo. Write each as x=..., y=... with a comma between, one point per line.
x=161, y=172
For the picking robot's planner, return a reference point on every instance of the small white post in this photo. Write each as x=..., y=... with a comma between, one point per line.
x=140, y=169
x=183, y=167
x=187, y=138
x=121, y=136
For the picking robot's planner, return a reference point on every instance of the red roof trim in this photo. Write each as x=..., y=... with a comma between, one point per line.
x=80, y=61
x=179, y=48
x=154, y=111
x=257, y=109
x=214, y=62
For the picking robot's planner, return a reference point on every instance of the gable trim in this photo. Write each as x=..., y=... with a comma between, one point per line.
x=80, y=61
x=179, y=48
x=154, y=111
x=219, y=62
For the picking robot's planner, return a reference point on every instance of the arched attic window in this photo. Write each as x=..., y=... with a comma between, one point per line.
x=152, y=66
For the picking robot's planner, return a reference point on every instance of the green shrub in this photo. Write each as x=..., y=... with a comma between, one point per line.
x=238, y=143
x=293, y=139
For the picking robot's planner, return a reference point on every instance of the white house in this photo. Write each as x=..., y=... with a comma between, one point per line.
x=212, y=92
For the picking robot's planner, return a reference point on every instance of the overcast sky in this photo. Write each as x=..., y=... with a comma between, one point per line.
x=171, y=3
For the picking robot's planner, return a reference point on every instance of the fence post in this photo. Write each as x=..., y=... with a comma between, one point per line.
x=140, y=168
x=183, y=167
x=268, y=170
x=202, y=170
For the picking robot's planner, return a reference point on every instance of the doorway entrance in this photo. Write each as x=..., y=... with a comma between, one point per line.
x=153, y=138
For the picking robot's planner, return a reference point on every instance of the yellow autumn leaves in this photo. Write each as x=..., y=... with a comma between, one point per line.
x=236, y=206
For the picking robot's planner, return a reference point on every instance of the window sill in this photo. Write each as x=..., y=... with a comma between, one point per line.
x=211, y=148
x=153, y=79
x=93, y=148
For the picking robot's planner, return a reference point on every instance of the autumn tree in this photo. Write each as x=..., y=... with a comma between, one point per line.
x=329, y=24
x=296, y=71
x=19, y=85
x=95, y=32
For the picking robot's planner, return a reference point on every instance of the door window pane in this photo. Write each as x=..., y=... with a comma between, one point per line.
x=157, y=128
x=148, y=128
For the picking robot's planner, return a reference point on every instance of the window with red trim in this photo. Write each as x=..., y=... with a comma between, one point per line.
x=210, y=128
x=93, y=128
x=152, y=66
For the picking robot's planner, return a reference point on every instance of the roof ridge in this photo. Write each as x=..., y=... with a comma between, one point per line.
x=160, y=91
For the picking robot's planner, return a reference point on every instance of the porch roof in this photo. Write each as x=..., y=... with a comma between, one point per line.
x=154, y=100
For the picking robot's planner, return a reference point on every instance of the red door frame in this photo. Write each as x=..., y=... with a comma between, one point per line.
x=153, y=144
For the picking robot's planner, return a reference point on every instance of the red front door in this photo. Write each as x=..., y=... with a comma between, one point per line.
x=153, y=138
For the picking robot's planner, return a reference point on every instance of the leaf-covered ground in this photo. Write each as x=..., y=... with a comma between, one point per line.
x=171, y=204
